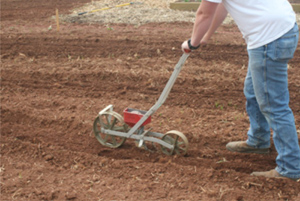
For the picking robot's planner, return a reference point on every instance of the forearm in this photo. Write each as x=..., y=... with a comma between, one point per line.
x=204, y=18
x=220, y=15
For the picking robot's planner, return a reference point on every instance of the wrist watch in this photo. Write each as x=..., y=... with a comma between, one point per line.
x=192, y=47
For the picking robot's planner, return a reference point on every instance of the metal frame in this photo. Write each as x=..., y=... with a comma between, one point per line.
x=151, y=136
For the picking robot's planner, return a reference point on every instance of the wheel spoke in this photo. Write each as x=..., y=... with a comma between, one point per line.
x=177, y=151
x=176, y=140
x=113, y=124
x=105, y=138
x=114, y=142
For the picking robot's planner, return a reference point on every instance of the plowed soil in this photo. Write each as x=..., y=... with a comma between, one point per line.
x=53, y=84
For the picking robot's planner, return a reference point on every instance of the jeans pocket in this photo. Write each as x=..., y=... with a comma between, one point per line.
x=285, y=47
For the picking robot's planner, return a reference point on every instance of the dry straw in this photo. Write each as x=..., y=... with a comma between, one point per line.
x=147, y=12
x=137, y=14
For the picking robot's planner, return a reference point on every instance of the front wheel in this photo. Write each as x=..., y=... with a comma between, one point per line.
x=112, y=121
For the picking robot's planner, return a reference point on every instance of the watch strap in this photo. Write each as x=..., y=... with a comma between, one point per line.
x=192, y=47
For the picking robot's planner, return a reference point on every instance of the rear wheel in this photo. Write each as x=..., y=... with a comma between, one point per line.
x=179, y=142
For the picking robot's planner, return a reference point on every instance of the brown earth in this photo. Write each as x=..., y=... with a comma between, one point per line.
x=53, y=84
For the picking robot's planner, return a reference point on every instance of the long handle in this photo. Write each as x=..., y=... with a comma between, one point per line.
x=171, y=81
x=163, y=95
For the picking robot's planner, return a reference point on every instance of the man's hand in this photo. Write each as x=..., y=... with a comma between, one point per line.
x=185, y=47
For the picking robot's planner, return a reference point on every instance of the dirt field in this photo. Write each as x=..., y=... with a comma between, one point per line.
x=53, y=84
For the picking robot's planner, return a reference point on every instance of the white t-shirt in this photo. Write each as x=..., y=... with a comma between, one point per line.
x=260, y=21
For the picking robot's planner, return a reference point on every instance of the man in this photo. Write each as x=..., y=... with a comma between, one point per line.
x=271, y=33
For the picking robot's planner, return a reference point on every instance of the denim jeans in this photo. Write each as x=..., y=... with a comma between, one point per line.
x=267, y=95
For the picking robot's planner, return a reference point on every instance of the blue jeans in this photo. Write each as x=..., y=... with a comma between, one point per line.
x=267, y=95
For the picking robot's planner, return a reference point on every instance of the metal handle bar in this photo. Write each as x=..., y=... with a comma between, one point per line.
x=163, y=95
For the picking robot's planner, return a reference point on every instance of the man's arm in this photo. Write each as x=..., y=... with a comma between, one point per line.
x=219, y=17
x=204, y=17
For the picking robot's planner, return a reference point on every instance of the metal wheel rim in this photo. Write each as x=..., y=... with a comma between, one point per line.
x=179, y=140
x=113, y=121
